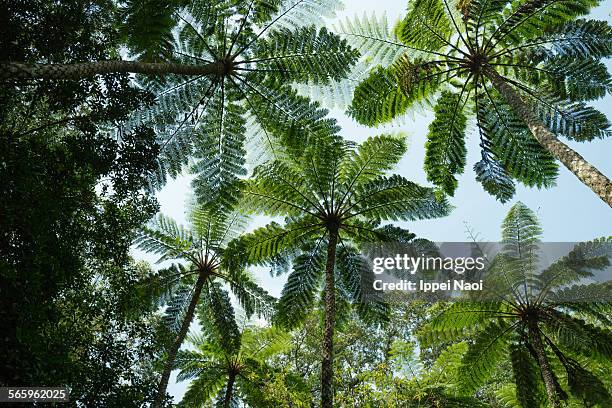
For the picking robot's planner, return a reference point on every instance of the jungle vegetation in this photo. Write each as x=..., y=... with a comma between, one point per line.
x=103, y=102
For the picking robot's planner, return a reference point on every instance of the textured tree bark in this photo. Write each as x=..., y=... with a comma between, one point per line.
x=545, y=369
x=586, y=172
x=180, y=337
x=327, y=370
x=229, y=390
x=18, y=70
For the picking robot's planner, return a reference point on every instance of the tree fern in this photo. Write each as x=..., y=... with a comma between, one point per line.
x=522, y=316
x=334, y=195
x=525, y=67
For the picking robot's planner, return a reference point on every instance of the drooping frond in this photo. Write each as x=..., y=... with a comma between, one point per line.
x=482, y=357
x=253, y=299
x=526, y=377
x=579, y=336
x=177, y=307
x=509, y=140
x=445, y=147
x=303, y=284
x=355, y=279
x=216, y=311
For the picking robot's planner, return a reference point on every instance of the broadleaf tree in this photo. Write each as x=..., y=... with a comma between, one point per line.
x=334, y=196
x=522, y=69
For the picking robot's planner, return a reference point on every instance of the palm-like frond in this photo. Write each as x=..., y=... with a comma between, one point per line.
x=451, y=52
x=256, y=51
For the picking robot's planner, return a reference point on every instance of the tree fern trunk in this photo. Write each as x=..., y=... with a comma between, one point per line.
x=18, y=70
x=180, y=337
x=327, y=371
x=229, y=390
x=586, y=172
x=545, y=369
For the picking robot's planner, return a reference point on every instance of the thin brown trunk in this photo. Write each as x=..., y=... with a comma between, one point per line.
x=229, y=390
x=327, y=372
x=18, y=70
x=180, y=337
x=586, y=172
x=545, y=369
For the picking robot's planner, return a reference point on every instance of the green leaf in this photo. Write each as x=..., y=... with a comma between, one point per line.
x=303, y=283
x=371, y=159
x=378, y=99
x=445, y=147
x=426, y=26
x=306, y=54
x=483, y=356
x=396, y=198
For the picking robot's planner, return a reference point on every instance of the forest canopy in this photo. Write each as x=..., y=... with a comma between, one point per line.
x=105, y=105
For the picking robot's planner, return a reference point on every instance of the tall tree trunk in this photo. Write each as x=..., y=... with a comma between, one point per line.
x=586, y=172
x=18, y=70
x=547, y=373
x=327, y=369
x=180, y=337
x=229, y=390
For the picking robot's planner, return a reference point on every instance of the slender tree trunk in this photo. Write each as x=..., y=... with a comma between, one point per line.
x=545, y=369
x=229, y=390
x=327, y=370
x=180, y=337
x=586, y=172
x=18, y=70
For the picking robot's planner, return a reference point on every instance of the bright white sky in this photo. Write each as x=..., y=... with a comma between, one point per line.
x=569, y=212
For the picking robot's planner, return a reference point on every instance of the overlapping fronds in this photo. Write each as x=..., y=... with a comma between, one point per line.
x=177, y=307
x=265, y=244
x=217, y=311
x=250, y=55
x=356, y=280
x=509, y=141
x=579, y=336
x=306, y=55
x=164, y=237
x=539, y=48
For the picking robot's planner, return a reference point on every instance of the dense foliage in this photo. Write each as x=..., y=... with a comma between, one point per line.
x=102, y=101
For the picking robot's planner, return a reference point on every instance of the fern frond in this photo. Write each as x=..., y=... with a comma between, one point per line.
x=396, y=198
x=306, y=55
x=489, y=347
x=445, y=147
x=302, y=285
x=373, y=38
x=458, y=321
